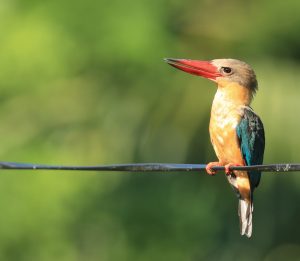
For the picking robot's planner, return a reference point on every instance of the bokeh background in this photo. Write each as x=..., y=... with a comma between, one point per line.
x=83, y=82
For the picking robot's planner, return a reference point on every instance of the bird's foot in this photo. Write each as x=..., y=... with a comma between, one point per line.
x=228, y=171
x=210, y=165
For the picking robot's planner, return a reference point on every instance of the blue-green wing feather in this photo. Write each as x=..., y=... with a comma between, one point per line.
x=250, y=132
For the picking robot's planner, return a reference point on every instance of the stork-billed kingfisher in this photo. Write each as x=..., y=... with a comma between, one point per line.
x=236, y=132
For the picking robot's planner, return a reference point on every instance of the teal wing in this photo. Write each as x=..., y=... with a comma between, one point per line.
x=250, y=132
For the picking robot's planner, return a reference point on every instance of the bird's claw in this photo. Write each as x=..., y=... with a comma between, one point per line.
x=227, y=167
x=209, y=167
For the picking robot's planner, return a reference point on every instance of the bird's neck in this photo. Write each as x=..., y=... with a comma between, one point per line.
x=233, y=94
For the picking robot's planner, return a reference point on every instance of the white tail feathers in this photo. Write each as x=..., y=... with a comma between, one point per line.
x=245, y=215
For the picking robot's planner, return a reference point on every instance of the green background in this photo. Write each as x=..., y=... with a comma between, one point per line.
x=83, y=83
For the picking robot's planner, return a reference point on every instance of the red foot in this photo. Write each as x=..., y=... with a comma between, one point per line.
x=209, y=167
x=227, y=167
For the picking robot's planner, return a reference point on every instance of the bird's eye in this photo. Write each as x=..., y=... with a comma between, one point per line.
x=226, y=70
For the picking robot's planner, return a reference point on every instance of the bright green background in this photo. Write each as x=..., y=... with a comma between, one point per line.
x=83, y=82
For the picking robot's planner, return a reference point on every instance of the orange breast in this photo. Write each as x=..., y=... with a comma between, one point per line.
x=223, y=135
x=226, y=113
x=225, y=116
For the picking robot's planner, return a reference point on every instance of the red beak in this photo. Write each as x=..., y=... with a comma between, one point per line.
x=200, y=68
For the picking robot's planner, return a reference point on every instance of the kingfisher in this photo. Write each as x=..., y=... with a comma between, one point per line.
x=236, y=132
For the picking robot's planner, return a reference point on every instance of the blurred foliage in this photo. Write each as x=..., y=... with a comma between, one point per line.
x=83, y=82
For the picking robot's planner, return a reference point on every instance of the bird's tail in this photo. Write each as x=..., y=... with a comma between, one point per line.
x=245, y=215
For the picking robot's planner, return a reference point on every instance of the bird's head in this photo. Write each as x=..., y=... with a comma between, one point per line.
x=225, y=72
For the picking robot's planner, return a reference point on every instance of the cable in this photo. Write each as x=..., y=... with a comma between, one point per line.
x=149, y=167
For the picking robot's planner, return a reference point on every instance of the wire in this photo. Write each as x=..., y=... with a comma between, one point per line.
x=149, y=167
